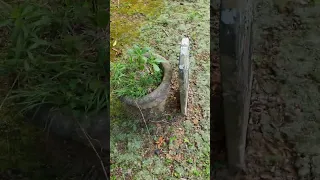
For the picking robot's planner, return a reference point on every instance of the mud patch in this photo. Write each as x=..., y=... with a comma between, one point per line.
x=285, y=99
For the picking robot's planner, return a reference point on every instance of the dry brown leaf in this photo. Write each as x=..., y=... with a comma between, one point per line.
x=118, y=52
x=178, y=142
x=168, y=156
x=195, y=121
x=160, y=142
x=178, y=157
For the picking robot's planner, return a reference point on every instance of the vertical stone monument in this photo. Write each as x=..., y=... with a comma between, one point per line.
x=184, y=75
x=236, y=75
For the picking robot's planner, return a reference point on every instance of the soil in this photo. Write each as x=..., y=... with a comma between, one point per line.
x=283, y=131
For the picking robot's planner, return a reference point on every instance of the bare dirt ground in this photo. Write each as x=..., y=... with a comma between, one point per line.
x=283, y=130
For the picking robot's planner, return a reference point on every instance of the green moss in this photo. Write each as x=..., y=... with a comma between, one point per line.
x=127, y=19
x=116, y=109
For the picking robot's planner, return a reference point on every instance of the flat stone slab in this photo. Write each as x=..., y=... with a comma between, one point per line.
x=184, y=63
x=236, y=75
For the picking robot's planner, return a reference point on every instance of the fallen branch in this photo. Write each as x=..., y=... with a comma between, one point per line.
x=117, y=51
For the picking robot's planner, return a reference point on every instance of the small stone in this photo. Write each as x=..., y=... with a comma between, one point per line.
x=157, y=152
x=129, y=172
x=195, y=121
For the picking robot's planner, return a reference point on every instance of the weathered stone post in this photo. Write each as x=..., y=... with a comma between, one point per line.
x=184, y=75
x=236, y=75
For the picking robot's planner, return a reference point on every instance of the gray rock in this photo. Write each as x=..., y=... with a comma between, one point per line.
x=184, y=75
x=236, y=72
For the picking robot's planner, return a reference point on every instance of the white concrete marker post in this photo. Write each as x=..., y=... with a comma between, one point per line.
x=184, y=74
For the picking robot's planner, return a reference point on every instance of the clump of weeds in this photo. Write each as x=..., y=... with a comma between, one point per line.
x=56, y=55
x=137, y=75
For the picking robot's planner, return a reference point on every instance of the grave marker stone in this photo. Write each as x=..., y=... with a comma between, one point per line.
x=236, y=75
x=184, y=75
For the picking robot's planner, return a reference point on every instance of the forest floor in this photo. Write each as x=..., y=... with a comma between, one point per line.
x=283, y=132
x=183, y=151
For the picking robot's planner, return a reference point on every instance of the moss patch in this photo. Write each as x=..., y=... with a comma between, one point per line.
x=127, y=17
x=185, y=150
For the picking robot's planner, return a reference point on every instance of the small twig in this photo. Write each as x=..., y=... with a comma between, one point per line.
x=161, y=121
x=118, y=52
x=101, y=162
x=118, y=3
x=144, y=120
x=115, y=50
x=14, y=83
x=165, y=32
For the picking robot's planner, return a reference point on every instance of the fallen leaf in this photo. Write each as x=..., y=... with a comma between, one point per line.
x=178, y=142
x=195, y=121
x=160, y=142
x=178, y=157
x=168, y=156
x=118, y=52
x=114, y=43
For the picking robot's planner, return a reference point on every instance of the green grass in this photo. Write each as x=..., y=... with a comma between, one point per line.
x=136, y=75
x=185, y=155
x=132, y=151
x=56, y=53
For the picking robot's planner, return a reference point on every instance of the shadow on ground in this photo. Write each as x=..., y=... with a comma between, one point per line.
x=29, y=153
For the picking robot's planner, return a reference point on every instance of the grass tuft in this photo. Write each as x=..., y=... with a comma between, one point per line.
x=58, y=54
